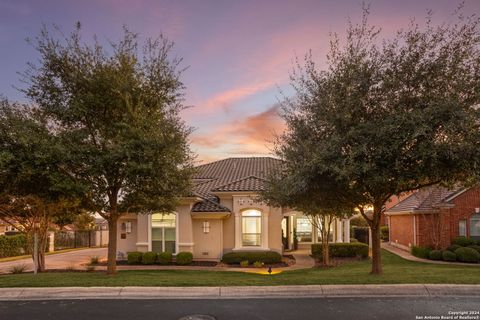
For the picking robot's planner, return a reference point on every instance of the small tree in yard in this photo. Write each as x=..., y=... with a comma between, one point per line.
x=388, y=117
x=295, y=186
x=33, y=188
x=116, y=111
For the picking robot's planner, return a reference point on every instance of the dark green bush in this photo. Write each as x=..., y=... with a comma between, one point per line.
x=465, y=254
x=435, y=255
x=449, y=256
x=421, y=252
x=267, y=257
x=360, y=233
x=475, y=246
x=149, y=257
x=134, y=257
x=342, y=250
x=463, y=241
x=164, y=258
x=11, y=246
x=353, y=240
x=384, y=233
x=453, y=247
x=184, y=258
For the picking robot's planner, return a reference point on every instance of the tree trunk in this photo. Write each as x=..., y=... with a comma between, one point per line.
x=112, y=244
x=325, y=253
x=376, y=249
x=42, y=242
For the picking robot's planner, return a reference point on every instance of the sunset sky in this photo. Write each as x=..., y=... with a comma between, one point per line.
x=239, y=53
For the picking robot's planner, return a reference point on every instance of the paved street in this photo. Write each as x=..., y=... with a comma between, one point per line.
x=59, y=261
x=241, y=309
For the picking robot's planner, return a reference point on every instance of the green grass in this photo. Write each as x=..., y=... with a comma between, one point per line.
x=396, y=270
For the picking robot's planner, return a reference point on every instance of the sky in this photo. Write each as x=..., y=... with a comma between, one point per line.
x=238, y=54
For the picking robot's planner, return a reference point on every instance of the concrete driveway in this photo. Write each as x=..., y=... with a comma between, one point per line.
x=74, y=259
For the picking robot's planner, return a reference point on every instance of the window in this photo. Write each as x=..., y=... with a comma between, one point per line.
x=475, y=225
x=462, y=228
x=304, y=229
x=206, y=227
x=251, y=228
x=163, y=232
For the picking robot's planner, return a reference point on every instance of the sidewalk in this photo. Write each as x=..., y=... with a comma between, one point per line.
x=313, y=291
x=408, y=256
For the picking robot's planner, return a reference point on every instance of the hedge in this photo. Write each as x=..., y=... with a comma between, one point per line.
x=475, y=246
x=164, y=258
x=134, y=257
x=465, y=254
x=384, y=233
x=11, y=246
x=342, y=250
x=449, y=256
x=463, y=241
x=421, y=252
x=149, y=257
x=267, y=257
x=435, y=255
x=184, y=258
x=453, y=247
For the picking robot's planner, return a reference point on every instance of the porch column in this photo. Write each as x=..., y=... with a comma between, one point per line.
x=346, y=230
x=238, y=231
x=265, y=230
x=338, y=230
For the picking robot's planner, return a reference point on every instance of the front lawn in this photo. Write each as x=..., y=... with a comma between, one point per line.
x=396, y=270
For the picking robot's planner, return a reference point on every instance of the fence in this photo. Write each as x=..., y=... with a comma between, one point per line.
x=80, y=239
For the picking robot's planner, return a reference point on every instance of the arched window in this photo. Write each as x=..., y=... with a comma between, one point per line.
x=251, y=228
x=163, y=232
x=475, y=225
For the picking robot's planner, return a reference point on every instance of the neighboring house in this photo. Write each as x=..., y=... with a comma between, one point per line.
x=6, y=228
x=222, y=216
x=434, y=216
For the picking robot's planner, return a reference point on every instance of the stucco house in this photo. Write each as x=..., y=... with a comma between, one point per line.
x=434, y=216
x=222, y=216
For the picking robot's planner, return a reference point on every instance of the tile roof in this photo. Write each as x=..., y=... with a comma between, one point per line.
x=426, y=199
x=251, y=183
x=230, y=175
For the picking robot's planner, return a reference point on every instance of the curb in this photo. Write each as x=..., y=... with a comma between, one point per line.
x=245, y=292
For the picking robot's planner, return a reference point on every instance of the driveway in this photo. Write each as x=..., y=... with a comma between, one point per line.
x=74, y=259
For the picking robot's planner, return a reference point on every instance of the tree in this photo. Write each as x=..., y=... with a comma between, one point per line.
x=33, y=188
x=388, y=117
x=295, y=185
x=116, y=109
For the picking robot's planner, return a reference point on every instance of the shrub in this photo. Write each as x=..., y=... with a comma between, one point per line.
x=463, y=241
x=267, y=257
x=465, y=254
x=94, y=260
x=421, y=252
x=244, y=263
x=258, y=264
x=384, y=233
x=435, y=255
x=149, y=257
x=475, y=246
x=448, y=255
x=453, y=247
x=11, y=246
x=19, y=268
x=342, y=250
x=361, y=234
x=90, y=268
x=184, y=258
x=164, y=258
x=353, y=240
x=134, y=257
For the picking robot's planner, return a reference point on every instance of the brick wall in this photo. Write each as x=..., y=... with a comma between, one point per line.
x=401, y=229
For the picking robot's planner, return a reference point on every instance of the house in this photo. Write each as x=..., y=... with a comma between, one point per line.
x=222, y=216
x=434, y=216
